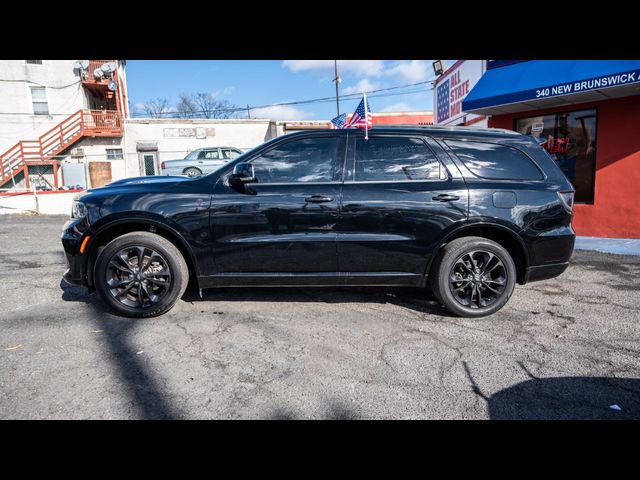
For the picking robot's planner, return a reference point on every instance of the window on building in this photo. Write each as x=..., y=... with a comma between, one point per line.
x=498, y=162
x=395, y=159
x=33, y=62
x=114, y=154
x=306, y=160
x=570, y=139
x=39, y=101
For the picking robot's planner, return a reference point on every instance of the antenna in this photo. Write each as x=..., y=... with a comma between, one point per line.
x=113, y=86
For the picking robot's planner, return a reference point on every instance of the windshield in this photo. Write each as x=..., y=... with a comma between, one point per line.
x=240, y=158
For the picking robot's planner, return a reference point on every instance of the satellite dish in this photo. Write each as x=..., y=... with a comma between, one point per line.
x=98, y=73
x=84, y=64
x=113, y=86
x=111, y=65
x=77, y=65
x=106, y=68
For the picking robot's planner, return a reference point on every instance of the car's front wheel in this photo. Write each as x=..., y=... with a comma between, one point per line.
x=140, y=274
x=473, y=276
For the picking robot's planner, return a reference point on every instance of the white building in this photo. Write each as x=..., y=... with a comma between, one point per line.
x=48, y=107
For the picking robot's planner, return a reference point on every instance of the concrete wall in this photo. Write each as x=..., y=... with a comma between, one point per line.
x=54, y=203
x=176, y=138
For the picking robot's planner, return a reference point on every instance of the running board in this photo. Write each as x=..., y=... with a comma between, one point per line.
x=315, y=279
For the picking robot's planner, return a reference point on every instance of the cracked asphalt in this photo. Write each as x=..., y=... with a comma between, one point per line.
x=563, y=348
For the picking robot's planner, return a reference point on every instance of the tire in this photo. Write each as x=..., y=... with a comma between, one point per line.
x=192, y=172
x=454, y=284
x=132, y=293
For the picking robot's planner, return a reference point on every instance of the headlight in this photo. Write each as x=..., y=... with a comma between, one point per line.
x=78, y=210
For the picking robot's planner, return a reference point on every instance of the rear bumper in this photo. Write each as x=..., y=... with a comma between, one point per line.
x=550, y=255
x=544, y=272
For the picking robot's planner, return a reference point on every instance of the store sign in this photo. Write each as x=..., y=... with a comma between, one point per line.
x=586, y=85
x=452, y=87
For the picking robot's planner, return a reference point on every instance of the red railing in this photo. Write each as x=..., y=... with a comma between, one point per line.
x=70, y=130
x=93, y=66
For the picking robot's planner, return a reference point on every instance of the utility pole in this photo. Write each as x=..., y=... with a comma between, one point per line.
x=248, y=112
x=337, y=80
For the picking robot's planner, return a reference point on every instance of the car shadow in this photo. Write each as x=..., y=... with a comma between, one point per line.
x=563, y=398
x=419, y=300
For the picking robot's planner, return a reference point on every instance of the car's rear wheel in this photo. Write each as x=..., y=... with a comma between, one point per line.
x=473, y=276
x=140, y=274
x=192, y=172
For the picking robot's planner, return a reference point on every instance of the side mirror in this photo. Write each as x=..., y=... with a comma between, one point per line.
x=242, y=173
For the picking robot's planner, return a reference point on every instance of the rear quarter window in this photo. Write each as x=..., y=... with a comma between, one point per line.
x=494, y=161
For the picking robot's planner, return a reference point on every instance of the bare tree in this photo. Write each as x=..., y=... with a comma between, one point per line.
x=186, y=108
x=156, y=108
x=205, y=105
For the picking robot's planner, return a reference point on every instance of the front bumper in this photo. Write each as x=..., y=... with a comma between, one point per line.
x=73, y=233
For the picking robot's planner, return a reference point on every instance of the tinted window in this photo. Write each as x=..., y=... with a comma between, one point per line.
x=489, y=160
x=395, y=158
x=308, y=160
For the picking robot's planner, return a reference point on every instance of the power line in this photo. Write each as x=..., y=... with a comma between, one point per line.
x=350, y=96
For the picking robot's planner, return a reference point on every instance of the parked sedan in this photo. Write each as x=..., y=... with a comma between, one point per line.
x=200, y=161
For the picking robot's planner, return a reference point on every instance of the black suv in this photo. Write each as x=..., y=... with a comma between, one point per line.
x=468, y=212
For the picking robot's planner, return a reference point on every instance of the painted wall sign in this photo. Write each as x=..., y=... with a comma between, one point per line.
x=452, y=87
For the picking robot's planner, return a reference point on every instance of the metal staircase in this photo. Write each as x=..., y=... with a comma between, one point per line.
x=83, y=123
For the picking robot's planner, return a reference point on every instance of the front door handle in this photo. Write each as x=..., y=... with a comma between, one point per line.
x=443, y=197
x=318, y=199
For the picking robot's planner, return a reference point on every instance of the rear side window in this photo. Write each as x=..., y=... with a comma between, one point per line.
x=395, y=159
x=499, y=162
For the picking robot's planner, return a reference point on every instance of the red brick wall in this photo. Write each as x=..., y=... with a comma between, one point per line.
x=615, y=212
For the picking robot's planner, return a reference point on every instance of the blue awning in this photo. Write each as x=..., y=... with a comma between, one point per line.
x=538, y=84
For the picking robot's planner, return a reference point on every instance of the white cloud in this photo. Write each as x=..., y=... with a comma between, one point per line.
x=281, y=112
x=363, y=85
x=411, y=71
x=228, y=90
x=373, y=68
x=398, y=107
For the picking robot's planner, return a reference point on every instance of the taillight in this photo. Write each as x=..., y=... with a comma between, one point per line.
x=162, y=165
x=567, y=200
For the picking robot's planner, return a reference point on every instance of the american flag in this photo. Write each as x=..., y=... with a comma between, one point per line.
x=358, y=118
x=339, y=121
x=442, y=98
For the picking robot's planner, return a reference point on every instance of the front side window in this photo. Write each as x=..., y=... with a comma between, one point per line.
x=39, y=100
x=230, y=154
x=395, y=159
x=498, y=162
x=570, y=139
x=306, y=160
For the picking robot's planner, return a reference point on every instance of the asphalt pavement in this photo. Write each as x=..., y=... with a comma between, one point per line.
x=563, y=348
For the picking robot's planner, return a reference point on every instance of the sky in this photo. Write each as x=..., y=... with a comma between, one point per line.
x=265, y=82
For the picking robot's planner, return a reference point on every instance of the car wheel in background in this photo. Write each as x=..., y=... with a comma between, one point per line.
x=473, y=276
x=192, y=172
x=140, y=274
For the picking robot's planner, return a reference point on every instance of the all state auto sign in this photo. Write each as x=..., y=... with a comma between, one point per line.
x=452, y=87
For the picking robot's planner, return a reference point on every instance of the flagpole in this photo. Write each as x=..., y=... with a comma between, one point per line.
x=337, y=80
x=366, y=119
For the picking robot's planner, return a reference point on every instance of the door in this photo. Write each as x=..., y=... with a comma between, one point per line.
x=285, y=222
x=397, y=200
x=148, y=162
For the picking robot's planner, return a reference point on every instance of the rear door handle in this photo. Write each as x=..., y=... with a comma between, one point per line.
x=443, y=197
x=318, y=199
